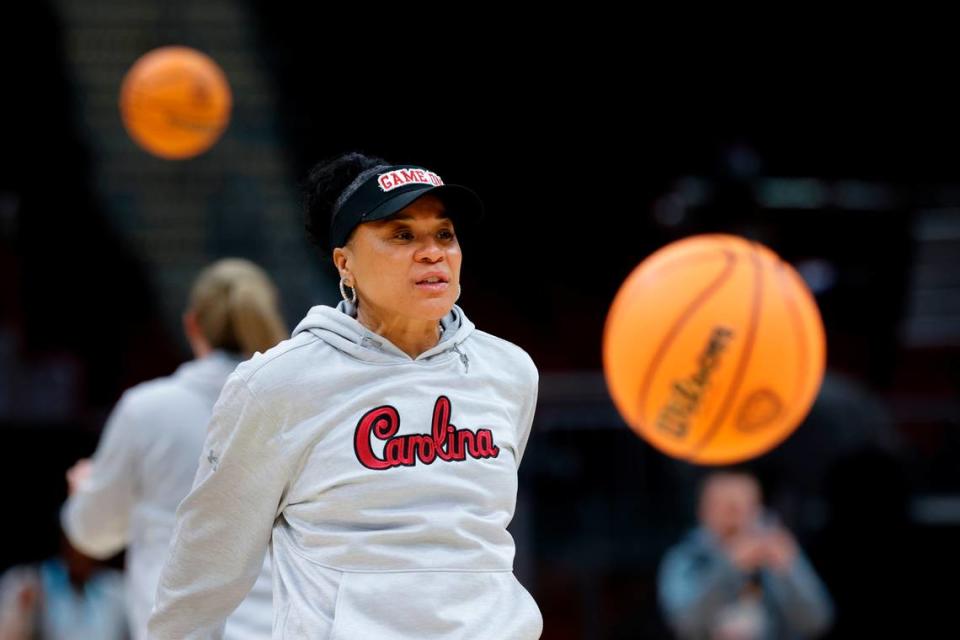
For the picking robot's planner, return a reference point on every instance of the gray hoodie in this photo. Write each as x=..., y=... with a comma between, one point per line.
x=382, y=485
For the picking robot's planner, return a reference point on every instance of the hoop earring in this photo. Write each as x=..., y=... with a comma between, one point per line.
x=351, y=299
x=459, y=291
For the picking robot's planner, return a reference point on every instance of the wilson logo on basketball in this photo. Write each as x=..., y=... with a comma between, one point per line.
x=392, y=179
x=444, y=442
x=686, y=395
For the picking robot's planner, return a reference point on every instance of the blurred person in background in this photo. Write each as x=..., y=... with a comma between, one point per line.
x=147, y=457
x=740, y=575
x=67, y=597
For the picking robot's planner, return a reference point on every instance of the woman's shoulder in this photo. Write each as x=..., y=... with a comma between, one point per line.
x=510, y=353
x=200, y=377
x=149, y=394
x=287, y=361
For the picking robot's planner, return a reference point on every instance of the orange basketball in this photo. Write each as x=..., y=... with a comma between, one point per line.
x=175, y=102
x=714, y=349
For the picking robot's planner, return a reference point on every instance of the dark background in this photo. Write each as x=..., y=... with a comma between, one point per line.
x=589, y=154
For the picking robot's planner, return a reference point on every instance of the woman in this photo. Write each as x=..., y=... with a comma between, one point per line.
x=147, y=457
x=374, y=453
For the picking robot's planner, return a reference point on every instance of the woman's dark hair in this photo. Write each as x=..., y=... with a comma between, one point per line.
x=324, y=184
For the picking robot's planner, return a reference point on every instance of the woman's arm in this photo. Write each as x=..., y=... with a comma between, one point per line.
x=693, y=584
x=96, y=516
x=225, y=522
x=530, y=409
x=801, y=596
x=20, y=601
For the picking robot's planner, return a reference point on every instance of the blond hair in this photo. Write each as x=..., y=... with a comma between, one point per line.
x=236, y=306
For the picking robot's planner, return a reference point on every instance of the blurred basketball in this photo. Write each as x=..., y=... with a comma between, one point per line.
x=714, y=349
x=175, y=102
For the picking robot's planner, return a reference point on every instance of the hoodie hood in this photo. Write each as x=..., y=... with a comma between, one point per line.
x=340, y=328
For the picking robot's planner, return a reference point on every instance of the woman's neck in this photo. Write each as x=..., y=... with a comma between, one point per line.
x=413, y=336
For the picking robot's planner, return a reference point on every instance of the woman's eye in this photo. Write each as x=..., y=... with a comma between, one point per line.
x=403, y=235
x=446, y=234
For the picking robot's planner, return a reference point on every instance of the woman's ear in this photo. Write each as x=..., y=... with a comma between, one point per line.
x=198, y=342
x=340, y=261
x=191, y=327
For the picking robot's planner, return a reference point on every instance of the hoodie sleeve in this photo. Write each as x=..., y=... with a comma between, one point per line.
x=225, y=522
x=529, y=410
x=692, y=585
x=96, y=519
x=802, y=597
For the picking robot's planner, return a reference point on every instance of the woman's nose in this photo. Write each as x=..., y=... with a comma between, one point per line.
x=430, y=251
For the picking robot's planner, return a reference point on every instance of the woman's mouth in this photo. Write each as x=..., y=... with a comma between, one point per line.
x=433, y=284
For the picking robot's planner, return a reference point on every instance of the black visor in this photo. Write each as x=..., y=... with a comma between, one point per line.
x=384, y=191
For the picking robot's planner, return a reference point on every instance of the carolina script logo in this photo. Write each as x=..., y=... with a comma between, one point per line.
x=444, y=442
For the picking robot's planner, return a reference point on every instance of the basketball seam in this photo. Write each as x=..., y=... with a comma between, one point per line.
x=741, y=365
x=801, y=334
x=808, y=360
x=684, y=261
x=668, y=339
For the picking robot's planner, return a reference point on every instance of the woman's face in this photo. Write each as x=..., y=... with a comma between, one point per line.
x=407, y=265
